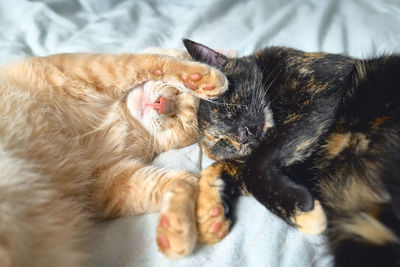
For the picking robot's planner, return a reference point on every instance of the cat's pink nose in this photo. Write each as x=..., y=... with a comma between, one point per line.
x=161, y=105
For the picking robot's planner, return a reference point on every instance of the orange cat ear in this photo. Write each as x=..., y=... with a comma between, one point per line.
x=205, y=54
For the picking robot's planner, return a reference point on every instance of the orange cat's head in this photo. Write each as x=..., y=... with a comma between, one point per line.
x=167, y=113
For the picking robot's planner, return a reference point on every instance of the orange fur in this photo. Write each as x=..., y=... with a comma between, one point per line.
x=73, y=146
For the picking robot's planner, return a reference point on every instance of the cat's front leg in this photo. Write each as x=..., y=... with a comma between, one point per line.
x=115, y=75
x=130, y=187
x=219, y=186
x=266, y=181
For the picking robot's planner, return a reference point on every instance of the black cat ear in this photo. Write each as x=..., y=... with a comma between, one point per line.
x=205, y=54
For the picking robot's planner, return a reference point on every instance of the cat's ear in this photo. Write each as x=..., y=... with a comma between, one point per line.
x=205, y=54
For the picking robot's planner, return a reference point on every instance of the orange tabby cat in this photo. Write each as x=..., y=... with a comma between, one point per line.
x=78, y=133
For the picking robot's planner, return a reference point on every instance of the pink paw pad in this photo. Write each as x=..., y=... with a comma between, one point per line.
x=158, y=72
x=216, y=211
x=189, y=85
x=215, y=227
x=222, y=234
x=209, y=87
x=195, y=77
x=163, y=242
x=164, y=222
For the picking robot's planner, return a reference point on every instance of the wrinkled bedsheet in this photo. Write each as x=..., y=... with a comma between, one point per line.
x=359, y=28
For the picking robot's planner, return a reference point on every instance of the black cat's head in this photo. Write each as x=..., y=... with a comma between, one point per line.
x=232, y=125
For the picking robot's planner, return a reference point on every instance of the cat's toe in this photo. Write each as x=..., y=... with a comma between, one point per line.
x=211, y=210
x=176, y=234
x=311, y=222
x=195, y=77
x=205, y=81
x=212, y=226
x=163, y=243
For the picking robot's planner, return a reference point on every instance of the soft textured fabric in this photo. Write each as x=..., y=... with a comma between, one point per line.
x=258, y=238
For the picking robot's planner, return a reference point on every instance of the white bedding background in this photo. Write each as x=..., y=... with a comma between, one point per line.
x=359, y=28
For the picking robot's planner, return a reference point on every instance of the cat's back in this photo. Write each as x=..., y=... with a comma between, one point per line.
x=380, y=77
x=373, y=102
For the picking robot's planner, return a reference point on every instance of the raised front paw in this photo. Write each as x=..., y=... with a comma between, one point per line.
x=212, y=223
x=311, y=222
x=203, y=80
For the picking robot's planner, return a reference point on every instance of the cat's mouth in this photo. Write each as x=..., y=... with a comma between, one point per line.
x=161, y=104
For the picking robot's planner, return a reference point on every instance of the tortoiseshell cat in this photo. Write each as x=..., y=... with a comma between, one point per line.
x=78, y=133
x=295, y=125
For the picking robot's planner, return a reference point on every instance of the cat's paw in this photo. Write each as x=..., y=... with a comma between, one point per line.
x=203, y=80
x=212, y=223
x=311, y=222
x=176, y=233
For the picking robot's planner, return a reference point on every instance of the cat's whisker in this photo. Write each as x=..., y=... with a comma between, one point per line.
x=267, y=88
x=157, y=144
x=273, y=80
x=149, y=145
x=158, y=136
x=212, y=101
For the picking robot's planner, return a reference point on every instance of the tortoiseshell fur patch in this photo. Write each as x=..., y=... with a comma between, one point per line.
x=332, y=134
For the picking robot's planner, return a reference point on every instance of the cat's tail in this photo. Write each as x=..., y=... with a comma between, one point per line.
x=38, y=227
x=361, y=239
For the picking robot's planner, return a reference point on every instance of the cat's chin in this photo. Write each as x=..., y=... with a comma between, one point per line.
x=222, y=153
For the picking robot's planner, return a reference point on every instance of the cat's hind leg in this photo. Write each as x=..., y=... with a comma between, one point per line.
x=38, y=226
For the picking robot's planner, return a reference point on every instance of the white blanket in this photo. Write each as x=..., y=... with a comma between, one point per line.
x=358, y=28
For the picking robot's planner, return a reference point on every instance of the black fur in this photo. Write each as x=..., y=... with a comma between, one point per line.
x=334, y=135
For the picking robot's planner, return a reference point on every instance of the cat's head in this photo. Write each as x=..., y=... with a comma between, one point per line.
x=234, y=124
x=167, y=113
